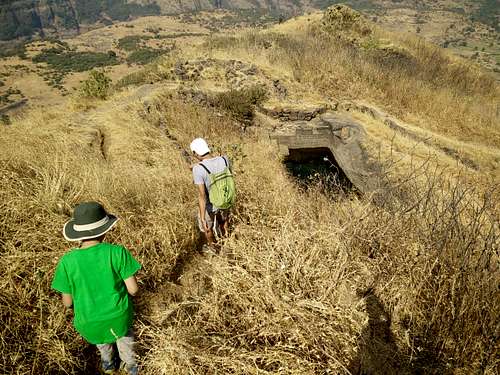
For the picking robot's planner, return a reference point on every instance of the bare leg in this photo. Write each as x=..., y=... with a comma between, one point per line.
x=223, y=220
x=209, y=234
x=225, y=227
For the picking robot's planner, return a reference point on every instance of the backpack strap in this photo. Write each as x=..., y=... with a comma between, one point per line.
x=204, y=167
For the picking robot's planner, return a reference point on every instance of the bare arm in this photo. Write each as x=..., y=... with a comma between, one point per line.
x=67, y=300
x=131, y=284
x=202, y=203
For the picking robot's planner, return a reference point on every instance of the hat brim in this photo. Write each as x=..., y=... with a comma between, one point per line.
x=202, y=151
x=71, y=234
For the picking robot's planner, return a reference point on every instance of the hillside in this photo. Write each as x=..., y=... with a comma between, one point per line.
x=316, y=277
x=24, y=18
x=467, y=28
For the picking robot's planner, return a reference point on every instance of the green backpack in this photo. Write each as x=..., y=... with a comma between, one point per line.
x=222, y=192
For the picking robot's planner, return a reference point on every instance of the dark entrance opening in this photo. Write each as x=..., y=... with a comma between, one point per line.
x=317, y=166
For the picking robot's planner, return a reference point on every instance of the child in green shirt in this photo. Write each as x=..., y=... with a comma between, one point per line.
x=98, y=280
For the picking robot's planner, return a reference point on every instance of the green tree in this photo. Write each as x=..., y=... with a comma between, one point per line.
x=96, y=86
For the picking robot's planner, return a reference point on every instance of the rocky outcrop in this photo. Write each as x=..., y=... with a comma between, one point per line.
x=294, y=114
x=24, y=17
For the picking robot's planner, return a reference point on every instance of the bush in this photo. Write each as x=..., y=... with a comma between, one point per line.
x=241, y=103
x=4, y=119
x=451, y=234
x=144, y=56
x=131, y=42
x=96, y=86
x=135, y=78
x=341, y=18
x=15, y=49
x=71, y=61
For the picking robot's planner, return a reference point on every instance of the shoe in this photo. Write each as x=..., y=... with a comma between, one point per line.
x=108, y=367
x=208, y=250
x=131, y=370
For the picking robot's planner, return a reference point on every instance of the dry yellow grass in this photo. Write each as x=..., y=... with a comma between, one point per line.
x=310, y=281
x=411, y=78
x=305, y=283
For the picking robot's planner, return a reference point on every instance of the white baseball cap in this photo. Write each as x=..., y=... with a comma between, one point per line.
x=200, y=147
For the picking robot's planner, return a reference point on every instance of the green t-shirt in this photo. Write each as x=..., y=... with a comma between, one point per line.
x=94, y=278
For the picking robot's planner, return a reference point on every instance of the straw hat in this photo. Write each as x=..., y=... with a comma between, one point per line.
x=90, y=220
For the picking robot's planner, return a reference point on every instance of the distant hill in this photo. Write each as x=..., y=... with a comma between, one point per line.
x=22, y=18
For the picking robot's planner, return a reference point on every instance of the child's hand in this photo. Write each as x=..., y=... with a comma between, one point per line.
x=131, y=284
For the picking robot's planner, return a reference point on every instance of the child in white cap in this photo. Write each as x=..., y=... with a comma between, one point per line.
x=216, y=193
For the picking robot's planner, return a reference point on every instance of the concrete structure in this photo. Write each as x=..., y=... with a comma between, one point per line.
x=334, y=132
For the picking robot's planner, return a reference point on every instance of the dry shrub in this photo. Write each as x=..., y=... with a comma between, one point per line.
x=340, y=18
x=240, y=104
x=280, y=299
x=49, y=166
x=436, y=246
x=97, y=85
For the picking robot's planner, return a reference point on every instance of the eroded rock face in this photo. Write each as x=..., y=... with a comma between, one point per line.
x=21, y=18
x=25, y=17
x=294, y=114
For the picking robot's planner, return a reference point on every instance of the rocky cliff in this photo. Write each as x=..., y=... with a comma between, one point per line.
x=25, y=17
x=20, y=18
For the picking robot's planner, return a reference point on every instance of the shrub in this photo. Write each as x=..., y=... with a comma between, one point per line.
x=144, y=56
x=341, y=18
x=452, y=302
x=4, y=119
x=14, y=49
x=131, y=42
x=96, y=86
x=71, y=61
x=241, y=103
